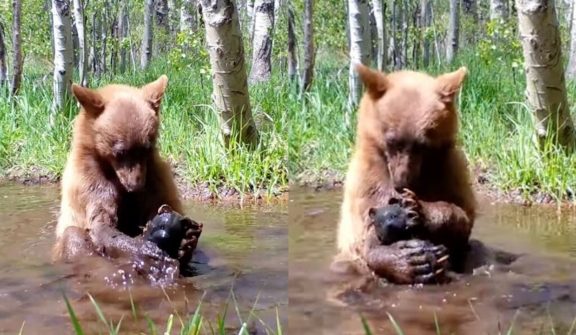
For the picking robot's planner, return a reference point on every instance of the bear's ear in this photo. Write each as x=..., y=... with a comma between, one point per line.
x=375, y=82
x=448, y=84
x=90, y=100
x=154, y=92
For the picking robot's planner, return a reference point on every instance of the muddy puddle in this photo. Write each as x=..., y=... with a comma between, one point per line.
x=245, y=250
x=536, y=293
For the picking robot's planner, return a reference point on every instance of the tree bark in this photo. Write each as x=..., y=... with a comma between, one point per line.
x=359, y=45
x=162, y=16
x=571, y=67
x=188, y=16
x=426, y=24
x=309, y=50
x=172, y=17
x=292, y=54
x=498, y=9
x=63, y=53
x=123, y=30
x=147, y=40
x=104, y=38
x=250, y=12
x=395, y=42
x=453, y=31
x=404, y=29
x=17, y=46
x=3, y=68
x=82, y=47
x=262, y=43
x=95, y=48
x=230, y=84
x=545, y=84
x=381, y=35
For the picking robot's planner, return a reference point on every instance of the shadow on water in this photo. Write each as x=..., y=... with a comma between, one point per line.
x=538, y=288
x=247, y=251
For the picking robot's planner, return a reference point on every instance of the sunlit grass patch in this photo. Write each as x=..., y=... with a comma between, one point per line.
x=190, y=132
x=496, y=130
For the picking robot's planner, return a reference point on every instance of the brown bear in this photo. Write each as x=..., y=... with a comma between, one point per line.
x=406, y=148
x=115, y=180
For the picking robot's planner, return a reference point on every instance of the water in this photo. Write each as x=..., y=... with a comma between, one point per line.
x=245, y=249
x=538, y=284
x=250, y=251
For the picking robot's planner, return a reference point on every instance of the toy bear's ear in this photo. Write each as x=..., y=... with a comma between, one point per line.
x=375, y=82
x=90, y=100
x=164, y=209
x=154, y=92
x=448, y=84
x=371, y=212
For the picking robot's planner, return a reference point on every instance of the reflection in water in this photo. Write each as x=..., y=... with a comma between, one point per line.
x=538, y=284
x=246, y=250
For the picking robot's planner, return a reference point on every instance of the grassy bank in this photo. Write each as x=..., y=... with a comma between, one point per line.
x=496, y=132
x=32, y=150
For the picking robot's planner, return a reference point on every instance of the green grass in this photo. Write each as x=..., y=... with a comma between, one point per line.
x=190, y=132
x=509, y=331
x=194, y=324
x=496, y=130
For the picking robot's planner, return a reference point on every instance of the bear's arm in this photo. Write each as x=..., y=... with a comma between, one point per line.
x=446, y=223
x=101, y=212
x=396, y=264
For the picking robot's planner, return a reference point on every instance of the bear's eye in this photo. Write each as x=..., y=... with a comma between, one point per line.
x=391, y=143
x=395, y=145
x=120, y=153
x=119, y=150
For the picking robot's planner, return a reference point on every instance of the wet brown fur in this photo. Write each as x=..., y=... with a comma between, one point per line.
x=114, y=180
x=410, y=108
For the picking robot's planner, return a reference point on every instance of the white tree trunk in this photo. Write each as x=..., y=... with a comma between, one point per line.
x=63, y=52
x=188, y=16
x=309, y=51
x=262, y=43
x=250, y=12
x=230, y=84
x=17, y=46
x=571, y=67
x=381, y=33
x=359, y=45
x=545, y=84
x=82, y=52
x=123, y=31
x=104, y=37
x=498, y=9
x=3, y=67
x=172, y=17
x=250, y=7
x=453, y=31
x=568, y=14
x=147, y=40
